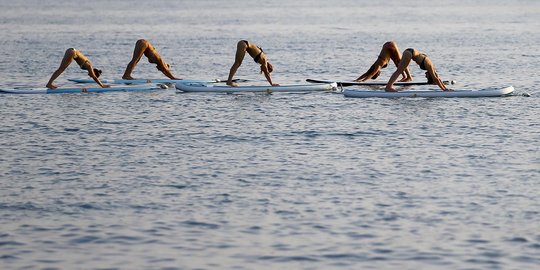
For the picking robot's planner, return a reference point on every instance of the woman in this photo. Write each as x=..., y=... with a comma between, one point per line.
x=83, y=62
x=389, y=51
x=259, y=57
x=144, y=47
x=423, y=61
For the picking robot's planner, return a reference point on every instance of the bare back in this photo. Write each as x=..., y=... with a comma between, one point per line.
x=80, y=58
x=253, y=50
x=151, y=53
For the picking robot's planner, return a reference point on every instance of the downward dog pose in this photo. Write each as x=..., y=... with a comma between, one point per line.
x=423, y=61
x=389, y=51
x=70, y=55
x=144, y=47
x=259, y=57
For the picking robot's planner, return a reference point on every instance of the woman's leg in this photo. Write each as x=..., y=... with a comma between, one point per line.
x=140, y=47
x=395, y=55
x=68, y=58
x=403, y=65
x=241, y=48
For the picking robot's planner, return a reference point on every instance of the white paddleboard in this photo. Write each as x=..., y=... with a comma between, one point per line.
x=143, y=81
x=374, y=83
x=491, y=92
x=78, y=90
x=204, y=87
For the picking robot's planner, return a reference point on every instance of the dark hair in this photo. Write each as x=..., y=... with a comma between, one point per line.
x=376, y=75
x=269, y=67
x=97, y=72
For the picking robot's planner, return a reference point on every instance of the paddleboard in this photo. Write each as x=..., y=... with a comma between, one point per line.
x=373, y=83
x=205, y=87
x=143, y=81
x=78, y=90
x=491, y=92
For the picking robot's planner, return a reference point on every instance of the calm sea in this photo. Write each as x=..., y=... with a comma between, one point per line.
x=163, y=180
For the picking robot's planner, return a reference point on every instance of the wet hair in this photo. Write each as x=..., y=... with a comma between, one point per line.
x=97, y=72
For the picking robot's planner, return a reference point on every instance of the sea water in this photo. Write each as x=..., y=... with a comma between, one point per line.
x=164, y=180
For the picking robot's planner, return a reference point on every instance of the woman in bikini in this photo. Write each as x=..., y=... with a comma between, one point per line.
x=83, y=62
x=259, y=57
x=389, y=51
x=423, y=61
x=144, y=47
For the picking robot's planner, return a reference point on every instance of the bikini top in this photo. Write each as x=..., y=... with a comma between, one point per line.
x=258, y=56
x=80, y=59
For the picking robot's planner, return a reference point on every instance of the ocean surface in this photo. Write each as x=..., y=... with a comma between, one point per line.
x=165, y=180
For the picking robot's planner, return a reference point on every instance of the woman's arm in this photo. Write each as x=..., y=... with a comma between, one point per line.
x=165, y=69
x=431, y=69
x=407, y=77
x=92, y=74
x=264, y=69
x=370, y=73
